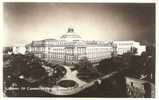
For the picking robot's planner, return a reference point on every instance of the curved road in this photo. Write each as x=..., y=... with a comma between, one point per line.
x=72, y=75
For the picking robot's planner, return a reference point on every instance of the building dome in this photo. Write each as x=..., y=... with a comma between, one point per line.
x=71, y=36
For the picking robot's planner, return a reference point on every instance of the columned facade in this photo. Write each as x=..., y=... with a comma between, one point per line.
x=70, y=48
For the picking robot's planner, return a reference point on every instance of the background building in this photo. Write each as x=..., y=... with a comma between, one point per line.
x=70, y=48
x=19, y=49
x=127, y=46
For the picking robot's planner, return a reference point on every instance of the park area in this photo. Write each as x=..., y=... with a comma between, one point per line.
x=29, y=76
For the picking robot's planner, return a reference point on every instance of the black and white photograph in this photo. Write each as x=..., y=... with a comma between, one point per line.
x=75, y=49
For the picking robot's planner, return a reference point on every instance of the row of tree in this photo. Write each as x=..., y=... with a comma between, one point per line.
x=31, y=68
x=137, y=65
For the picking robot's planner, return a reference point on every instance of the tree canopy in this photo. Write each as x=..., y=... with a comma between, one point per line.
x=27, y=65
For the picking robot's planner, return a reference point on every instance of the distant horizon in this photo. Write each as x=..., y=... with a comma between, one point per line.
x=58, y=38
x=22, y=44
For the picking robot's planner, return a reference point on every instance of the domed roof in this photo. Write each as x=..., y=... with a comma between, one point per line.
x=71, y=36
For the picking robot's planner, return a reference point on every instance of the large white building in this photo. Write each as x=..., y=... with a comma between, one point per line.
x=125, y=46
x=70, y=48
x=19, y=49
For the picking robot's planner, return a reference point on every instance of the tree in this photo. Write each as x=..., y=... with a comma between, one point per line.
x=7, y=49
x=58, y=72
x=26, y=65
x=86, y=70
x=111, y=64
x=84, y=65
x=133, y=50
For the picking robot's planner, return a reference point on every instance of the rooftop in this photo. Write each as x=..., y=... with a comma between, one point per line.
x=71, y=36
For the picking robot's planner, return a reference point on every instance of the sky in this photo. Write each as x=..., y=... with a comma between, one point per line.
x=26, y=22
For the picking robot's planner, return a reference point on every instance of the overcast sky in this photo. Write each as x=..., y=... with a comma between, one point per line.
x=24, y=22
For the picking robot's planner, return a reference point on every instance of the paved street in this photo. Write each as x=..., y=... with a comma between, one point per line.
x=71, y=75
